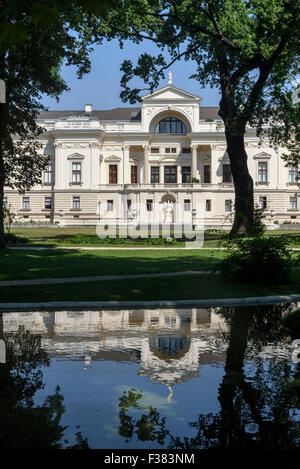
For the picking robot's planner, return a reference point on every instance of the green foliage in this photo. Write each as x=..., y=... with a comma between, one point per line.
x=195, y=180
x=36, y=38
x=258, y=228
x=249, y=50
x=146, y=426
x=8, y=218
x=292, y=321
x=260, y=259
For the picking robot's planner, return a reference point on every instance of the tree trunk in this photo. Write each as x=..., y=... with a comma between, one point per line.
x=2, y=178
x=243, y=184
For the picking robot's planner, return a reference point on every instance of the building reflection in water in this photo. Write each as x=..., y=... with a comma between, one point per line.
x=170, y=345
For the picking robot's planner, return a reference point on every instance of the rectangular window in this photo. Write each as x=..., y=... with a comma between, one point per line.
x=170, y=150
x=170, y=174
x=262, y=202
x=110, y=205
x=293, y=174
x=133, y=174
x=227, y=177
x=154, y=150
x=154, y=174
x=48, y=203
x=187, y=205
x=207, y=173
x=186, y=174
x=186, y=150
x=293, y=203
x=48, y=174
x=149, y=205
x=76, y=173
x=208, y=205
x=113, y=174
x=228, y=205
x=128, y=205
x=76, y=203
x=5, y=202
x=25, y=203
x=262, y=171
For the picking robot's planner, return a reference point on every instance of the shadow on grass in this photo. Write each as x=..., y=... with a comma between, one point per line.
x=16, y=264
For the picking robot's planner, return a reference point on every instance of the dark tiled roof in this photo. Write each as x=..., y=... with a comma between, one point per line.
x=119, y=113
x=209, y=113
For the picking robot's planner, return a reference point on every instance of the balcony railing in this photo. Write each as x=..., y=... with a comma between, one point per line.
x=165, y=186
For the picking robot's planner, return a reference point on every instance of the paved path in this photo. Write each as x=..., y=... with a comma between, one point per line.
x=96, y=278
x=121, y=248
x=84, y=305
x=105, y=248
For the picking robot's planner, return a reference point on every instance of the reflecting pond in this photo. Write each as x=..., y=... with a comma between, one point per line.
x=168, y=378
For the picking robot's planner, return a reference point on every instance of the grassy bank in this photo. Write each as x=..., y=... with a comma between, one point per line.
x=176, y=288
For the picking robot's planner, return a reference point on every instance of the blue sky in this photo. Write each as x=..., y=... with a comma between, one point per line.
x=101, y=87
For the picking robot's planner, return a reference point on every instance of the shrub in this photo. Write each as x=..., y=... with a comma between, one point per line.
x=264, y=260
x=82, y=239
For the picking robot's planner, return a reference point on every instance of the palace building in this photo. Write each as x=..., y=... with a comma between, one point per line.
x=124, y=164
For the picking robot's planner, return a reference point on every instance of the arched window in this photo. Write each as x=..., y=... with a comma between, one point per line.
x=170, y=125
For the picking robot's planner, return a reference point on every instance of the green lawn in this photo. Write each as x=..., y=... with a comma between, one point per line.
x=30, y=264
x=25, y=264
x=45, y=236
x=176, y=288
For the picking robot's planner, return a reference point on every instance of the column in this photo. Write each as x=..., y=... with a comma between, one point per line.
x=213, y=165
x=194, y=161
x=161, y=174
x=146, y=164
x=126, y=165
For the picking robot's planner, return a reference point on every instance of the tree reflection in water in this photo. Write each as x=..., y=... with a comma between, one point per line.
x=259, y=403
x=22, y=424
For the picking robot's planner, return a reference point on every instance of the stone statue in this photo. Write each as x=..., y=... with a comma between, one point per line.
x=168, y=210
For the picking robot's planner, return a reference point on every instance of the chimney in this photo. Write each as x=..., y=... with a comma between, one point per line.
x=88, y=108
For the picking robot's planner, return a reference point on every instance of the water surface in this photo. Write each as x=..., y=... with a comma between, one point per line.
x=189, y=378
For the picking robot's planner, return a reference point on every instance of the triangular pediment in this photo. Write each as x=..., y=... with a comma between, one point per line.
x=76, y=156
x=170, y=93
x=263, y=155
x=113, y=158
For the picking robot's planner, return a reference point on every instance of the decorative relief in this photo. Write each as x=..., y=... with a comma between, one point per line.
x=150, y=111
x=71, y=145
x=168, y=157
x=95, y=145
x=155, y=110
x=219, y=147
x=112, y=148
x=189, y=110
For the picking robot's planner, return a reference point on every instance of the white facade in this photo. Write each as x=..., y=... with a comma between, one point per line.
x=116, y=165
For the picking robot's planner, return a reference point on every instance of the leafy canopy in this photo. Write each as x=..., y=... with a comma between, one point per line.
x=36, y=38
x=249, y=49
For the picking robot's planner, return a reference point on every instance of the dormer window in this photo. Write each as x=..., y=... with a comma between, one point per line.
x=170, y=125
